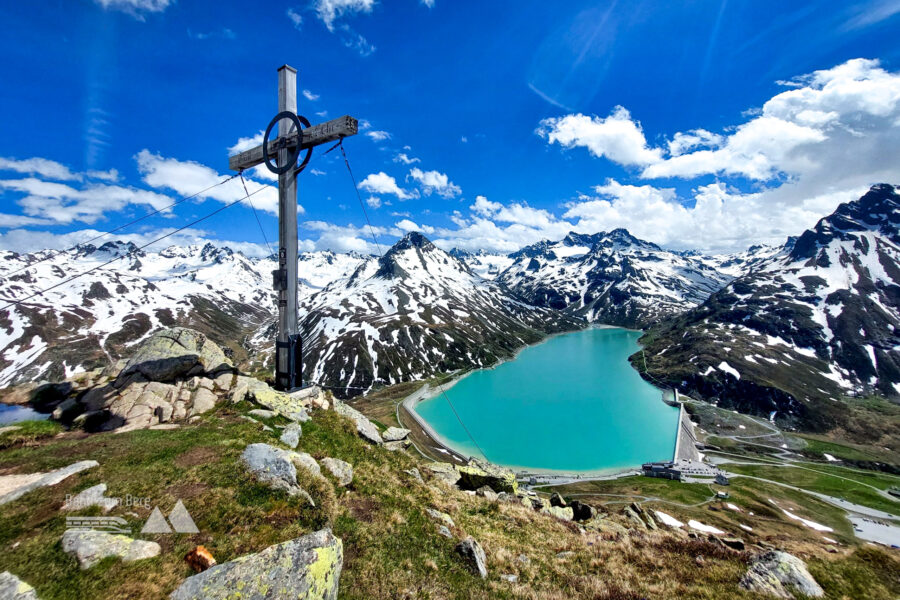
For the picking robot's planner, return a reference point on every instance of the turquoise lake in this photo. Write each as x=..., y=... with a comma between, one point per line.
x=572, y=403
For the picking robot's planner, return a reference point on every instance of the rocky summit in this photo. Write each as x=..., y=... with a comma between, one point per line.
x=612, y=278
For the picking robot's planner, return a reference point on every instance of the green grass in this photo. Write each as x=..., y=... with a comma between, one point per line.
x=28, y=432
x=883, y=481
x=818, y=447
x=391, y=548
x=839, y=486
x=636, y=487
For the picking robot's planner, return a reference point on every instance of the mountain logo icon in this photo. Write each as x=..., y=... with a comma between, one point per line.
x=179, y=518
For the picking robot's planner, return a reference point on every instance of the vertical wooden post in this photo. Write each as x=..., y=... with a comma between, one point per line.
x=285, y=375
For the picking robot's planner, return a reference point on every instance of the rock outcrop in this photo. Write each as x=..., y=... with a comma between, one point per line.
x=13, y=487
x=473, y=555
x=364, y=426
x=308, y=567
x=395, y=434
x=341, y=470
x=444, y=472
x=172, y=354
x=276, y=468
x=13, y=588
x=291, y=435
x=292, y=406
x=90, y=547
x=477, y=474
x=779, y=574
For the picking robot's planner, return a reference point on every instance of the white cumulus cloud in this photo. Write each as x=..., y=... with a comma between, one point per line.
x=435, y=182
x=616, y=137
x=382, y=183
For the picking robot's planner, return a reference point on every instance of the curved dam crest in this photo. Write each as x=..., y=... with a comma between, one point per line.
x=571, y=404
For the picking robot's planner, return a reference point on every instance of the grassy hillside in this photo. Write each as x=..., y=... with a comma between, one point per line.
x=392, y=548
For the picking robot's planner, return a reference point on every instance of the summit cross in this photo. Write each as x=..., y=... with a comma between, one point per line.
x=285, y=149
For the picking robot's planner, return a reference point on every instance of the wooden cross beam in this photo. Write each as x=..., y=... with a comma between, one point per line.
x=288, y=346
x=316, y=135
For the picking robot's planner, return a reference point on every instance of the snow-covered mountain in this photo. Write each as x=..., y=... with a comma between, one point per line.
x=810, y=324
x=736, y=264
x=92, y=321
x=412, y=313
x=485, y=264
x=611, y=278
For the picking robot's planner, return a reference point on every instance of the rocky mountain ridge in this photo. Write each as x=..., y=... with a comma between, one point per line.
x=414, y=312
x=612, y=278
x=816, y=322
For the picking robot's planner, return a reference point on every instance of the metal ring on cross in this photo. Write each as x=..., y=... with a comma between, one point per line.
x=295, y=154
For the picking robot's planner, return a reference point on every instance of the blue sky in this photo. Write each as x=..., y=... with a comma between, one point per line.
x=698, y=124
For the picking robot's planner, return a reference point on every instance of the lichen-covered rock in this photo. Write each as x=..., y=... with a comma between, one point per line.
x=92, y=496
x=291, y=435
x=779, y=574
x=397, y=446
x=13, y=588
x=342, y=471
x=204, y=400
x=444, y=472
x=90, y=547
x=305, y=461
x=395, y=434
x=364, y=426
x=473, y=555
x=172, y=353
x=477, y=474
x=633, y=517
x=244, y=387
x=560, y=512
x=274, y=467
x=308, y=567
x=286, y=405
x=440, y=516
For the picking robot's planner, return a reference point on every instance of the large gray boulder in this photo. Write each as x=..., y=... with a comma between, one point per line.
x=395, y=434
x=291, y=435
x=779, y=574
x=308, y=567
x=364, y=426
x=13, y=588
x=275, y=467
x=473, y=555
x=477, y=474
x=175, y=353
x=341, y=470
x=444, y=472
x=143, y=404
x=90, y=547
